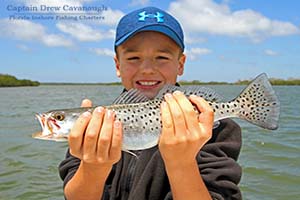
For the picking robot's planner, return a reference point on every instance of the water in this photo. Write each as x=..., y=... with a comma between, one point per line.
x=28, y=167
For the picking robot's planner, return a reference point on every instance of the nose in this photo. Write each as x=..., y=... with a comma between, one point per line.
x=147, y=66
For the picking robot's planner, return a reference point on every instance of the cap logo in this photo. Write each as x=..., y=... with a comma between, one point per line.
x=159, y=16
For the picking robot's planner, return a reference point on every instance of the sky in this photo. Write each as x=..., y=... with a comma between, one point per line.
x=226, y=40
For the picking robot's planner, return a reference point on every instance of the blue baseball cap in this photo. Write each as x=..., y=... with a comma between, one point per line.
x=149, y=19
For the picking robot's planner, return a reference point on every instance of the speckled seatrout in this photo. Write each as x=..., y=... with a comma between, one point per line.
x=141, y=120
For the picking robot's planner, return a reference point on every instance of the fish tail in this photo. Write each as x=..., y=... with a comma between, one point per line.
x=259, y=104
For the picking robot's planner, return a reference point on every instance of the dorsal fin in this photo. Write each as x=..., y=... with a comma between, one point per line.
x=131, y=96
x=167, y=89
x=135, y=96
x=204, y=92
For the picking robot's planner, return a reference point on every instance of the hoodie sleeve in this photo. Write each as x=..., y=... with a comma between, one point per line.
x=217, y=161
x=68, y=167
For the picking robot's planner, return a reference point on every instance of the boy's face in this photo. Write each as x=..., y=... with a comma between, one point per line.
x=148, y=61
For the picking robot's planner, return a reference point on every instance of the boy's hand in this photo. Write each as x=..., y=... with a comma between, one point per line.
x=183, y=132
x=96, y=138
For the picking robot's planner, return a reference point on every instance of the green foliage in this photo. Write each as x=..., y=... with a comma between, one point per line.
x=11, y=81
x=196, y=82
x=275, y=81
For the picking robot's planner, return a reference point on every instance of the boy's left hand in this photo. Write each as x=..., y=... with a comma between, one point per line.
x=184, y=132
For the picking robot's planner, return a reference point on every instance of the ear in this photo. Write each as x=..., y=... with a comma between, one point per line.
x=181, y=64
x=117, y=64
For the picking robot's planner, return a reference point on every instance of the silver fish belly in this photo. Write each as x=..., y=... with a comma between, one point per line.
x=141, y=119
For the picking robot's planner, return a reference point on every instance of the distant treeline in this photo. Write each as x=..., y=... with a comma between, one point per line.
x=274, y=81
x=196, y=82
x=11, y=81
x=61, y=83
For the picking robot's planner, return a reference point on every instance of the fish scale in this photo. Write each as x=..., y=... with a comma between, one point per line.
x=141, y=118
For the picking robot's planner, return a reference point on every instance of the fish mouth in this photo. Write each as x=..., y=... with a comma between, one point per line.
x=47, y=131
x=51, y=137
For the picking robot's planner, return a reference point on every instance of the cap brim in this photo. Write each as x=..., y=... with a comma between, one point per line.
x=157, y=28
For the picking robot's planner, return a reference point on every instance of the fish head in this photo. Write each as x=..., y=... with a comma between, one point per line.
x=56, y=125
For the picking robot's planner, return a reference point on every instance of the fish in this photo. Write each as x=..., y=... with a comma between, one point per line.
x=141, y=118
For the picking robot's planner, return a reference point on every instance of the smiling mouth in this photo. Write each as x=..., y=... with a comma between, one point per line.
x=148, y=83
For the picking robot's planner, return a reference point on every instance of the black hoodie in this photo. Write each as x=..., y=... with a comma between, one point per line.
x=144, y=177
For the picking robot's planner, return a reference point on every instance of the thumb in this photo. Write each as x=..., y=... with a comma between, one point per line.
x=86, y=103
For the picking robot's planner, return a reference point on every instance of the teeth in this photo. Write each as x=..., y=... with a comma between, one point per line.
x=148, y=83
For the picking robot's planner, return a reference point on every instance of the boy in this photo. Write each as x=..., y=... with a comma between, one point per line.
x=192, y=160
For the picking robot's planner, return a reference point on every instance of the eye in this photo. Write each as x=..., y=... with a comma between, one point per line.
x=59, y=116
x=162, y=58
x=133, y=58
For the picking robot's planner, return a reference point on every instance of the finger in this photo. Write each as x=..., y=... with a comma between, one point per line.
x=206, y=116
x=104, y=141
x=188, y=111
x=77, y=134
x=86, y=103
x=92, y=132
x=167, y=122
x=177, y=116
x=116, y=143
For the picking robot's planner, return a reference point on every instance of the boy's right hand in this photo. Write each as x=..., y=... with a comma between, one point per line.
x=96, y=138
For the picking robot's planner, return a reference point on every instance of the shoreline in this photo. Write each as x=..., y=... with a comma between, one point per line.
x=11, y=81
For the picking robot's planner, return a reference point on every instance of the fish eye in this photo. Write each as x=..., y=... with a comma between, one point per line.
x=59, y=116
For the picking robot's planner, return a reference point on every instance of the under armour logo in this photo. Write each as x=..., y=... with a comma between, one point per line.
x=159, y=16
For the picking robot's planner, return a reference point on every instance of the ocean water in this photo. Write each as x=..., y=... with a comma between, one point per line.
x=28, y=167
